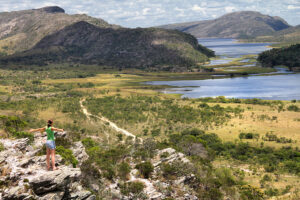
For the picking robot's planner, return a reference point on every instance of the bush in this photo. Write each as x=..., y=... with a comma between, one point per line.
x=124, y=170
x=225, y=177
x=67, y=155
x=24, y=135
x=293, y=108
x=249, y=136
x=89, y=143
x=272, y=192
x=145, y=169
x=134, y=187
x=1, y=147
x=251, y=193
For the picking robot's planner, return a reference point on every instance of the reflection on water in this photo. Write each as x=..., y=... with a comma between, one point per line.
x=279, y=87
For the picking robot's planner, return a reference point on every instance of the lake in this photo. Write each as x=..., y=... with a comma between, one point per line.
x=276, y=87
x=227, y=49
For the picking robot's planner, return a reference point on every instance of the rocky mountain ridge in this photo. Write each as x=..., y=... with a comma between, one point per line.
x=151, y=49
x=21, y=30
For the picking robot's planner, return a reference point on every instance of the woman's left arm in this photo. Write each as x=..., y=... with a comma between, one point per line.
x=57, y=129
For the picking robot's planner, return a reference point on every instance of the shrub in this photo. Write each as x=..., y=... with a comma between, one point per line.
x=24, y=135
x=272, y=192
x=293, y=108
x=89, y=143
x=249, y=136
x=145, y=169
x=1, y=147
x=67, y=155
x=60, y=141
x=225, y=177
x=124, y=170
x=250, y=193
x=134, y=187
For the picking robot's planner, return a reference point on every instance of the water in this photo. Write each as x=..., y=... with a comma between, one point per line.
x=229, y=49
x=277, y=87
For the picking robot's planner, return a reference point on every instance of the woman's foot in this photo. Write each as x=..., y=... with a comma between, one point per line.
x=55, y=168
x=48, y=168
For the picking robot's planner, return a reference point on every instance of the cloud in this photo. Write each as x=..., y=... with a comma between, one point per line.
x=145, y=13
x=292, y=7
x=229, y=9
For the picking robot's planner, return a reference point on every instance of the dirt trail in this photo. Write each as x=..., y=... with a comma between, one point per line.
x=111, y=124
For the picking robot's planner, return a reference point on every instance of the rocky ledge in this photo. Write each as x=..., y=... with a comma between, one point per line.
x=23, y=174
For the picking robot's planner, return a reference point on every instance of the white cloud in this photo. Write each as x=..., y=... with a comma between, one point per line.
x=229, y=9
x=144, y=13
x=292, y=7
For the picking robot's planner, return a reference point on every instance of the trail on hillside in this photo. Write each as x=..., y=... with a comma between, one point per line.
x=111, y=124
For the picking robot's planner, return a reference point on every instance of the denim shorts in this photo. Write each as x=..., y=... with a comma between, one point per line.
x=50, y=144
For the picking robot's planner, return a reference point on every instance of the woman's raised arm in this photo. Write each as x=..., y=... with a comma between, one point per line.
x=37, y=130
x=57, y=129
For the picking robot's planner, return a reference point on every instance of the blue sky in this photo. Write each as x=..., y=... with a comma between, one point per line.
x=145, y=13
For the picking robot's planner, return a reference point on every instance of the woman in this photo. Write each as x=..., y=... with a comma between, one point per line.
x=50, y=143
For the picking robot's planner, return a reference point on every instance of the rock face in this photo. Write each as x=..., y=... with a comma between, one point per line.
x=24, y=176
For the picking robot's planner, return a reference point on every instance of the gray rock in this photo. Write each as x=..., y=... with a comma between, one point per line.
x=55, y=180
x=52, y=196
x=79, y=152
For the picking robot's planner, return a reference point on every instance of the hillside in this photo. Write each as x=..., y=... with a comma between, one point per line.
x=244, y=24
x=123, y=48
x=290, y=35
x=288, y=56
x=21, y=30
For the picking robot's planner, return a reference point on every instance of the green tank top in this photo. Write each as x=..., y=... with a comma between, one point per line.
x=50, y=133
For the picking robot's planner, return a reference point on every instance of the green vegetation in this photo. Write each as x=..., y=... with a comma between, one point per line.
x=1, y=147
x=67, y=155
x=134, y=187
x=288, y=56
x=231, y=144
x=145, y=169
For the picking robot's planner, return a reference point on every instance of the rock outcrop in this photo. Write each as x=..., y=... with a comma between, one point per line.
x=23, y=174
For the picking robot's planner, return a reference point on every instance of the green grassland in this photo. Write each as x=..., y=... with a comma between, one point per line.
x=242, y=135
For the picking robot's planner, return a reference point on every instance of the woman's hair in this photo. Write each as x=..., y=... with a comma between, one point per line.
x=50, y=122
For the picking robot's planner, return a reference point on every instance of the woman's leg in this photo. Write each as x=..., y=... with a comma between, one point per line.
x=48, y=158
x=53, y=159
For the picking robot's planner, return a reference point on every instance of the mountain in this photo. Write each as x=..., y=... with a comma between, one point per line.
x=83, y=42
x=244, y=24
x=21, y=30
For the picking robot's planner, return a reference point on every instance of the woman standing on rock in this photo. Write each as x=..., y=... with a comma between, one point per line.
x=50, y=143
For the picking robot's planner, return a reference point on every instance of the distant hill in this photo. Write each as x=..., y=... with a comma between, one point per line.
x=290, y=35
x=244, y=24
x=288, y=56
x=81, y=42
x=21, y=30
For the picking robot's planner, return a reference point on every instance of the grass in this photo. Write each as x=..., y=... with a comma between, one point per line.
x=253, y=175
x=284, y=126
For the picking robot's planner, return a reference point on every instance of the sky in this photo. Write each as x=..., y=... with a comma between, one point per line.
x=147, y=13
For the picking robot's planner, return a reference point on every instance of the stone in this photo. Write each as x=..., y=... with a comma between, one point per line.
x=79, y=152
x=54, y=180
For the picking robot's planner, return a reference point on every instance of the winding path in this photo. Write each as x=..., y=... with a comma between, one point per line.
x=111, y=124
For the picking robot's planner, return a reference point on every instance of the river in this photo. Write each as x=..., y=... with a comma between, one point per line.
x=276, y=87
